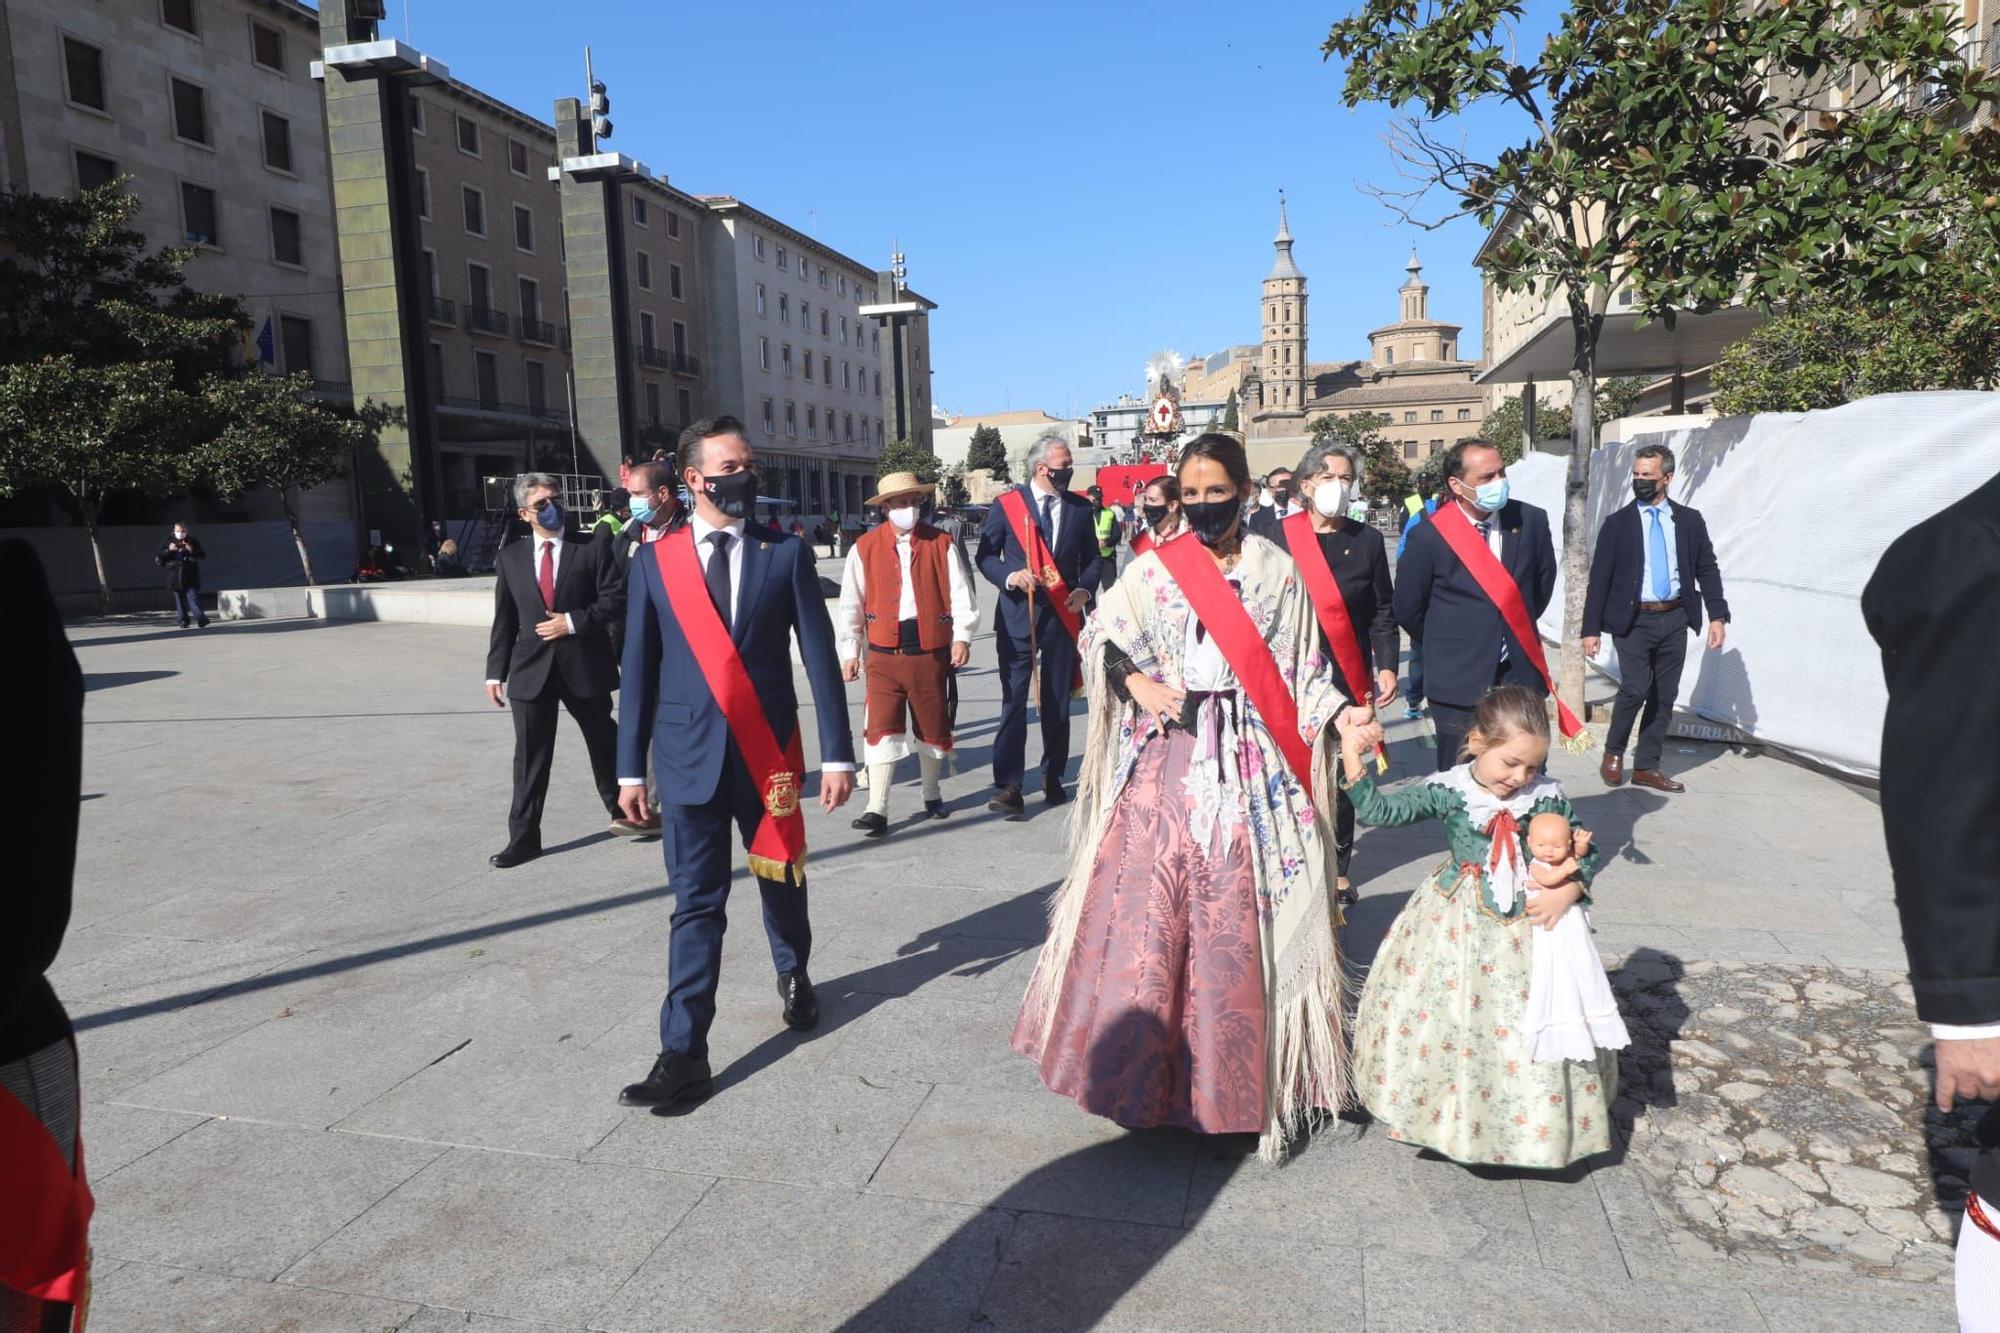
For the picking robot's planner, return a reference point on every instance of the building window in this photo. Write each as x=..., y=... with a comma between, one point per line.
x=847, y=425
x=878, y=387
x=673, y=224
x=475, y=210
x=812, y=423
x=530, y=293
x=843, y=286
x=846, y=377
x=93, y=171
x=783, y=263
x=1444, y=351
x=770, y=417
x=760, y=300
x=1410, y=449
x=763, y=352
x=638, y=210
x=875, y=338
x=179, y=14
x=785, y=360
x=1437, y=446
x=1465, y=414
x=468, y=136
x=806, y=316
x=649, y=336
x=1437, y=414
x=83, y=67
x=295, y=336
x=784, y=308
x=791, y=418
x=757, y=245
x=198, y=215
x=437, y=368
x=825, y=330
x=524, y=228
x=431, y=274
x=479, y=288
x=288, y=238
x=822, y=275
x=653, y=403
x=486, y=370
x=190, y=111
x=878, y=432
x=1388, y=356
x=416, y=114
x=277, y=142
x=684, y=404
x=267, y=46
x=423, y=194
x=680, y=340
x=843, y=327
x=645, y=266
x=517, y=157
x=809, y=363
x=538, y=386
x=674, y=288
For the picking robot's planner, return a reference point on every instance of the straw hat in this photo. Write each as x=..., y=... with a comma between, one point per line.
x=899, y=483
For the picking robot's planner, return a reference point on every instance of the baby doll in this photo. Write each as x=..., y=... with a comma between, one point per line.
x=1571, y=1011
x=1555, y=850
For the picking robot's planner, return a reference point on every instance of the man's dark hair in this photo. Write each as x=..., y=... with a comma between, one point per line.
x=1224, y=449
x=1276, y=472
x=1659, y=451
x=1454, y=457
x=701, y=432
x=652, y=474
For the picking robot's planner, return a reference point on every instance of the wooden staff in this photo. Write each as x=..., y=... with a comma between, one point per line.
x=1034, y=659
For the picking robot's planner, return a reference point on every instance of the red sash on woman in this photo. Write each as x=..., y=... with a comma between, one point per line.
x=45, y=1209
x=778, y=851
x=1042, y=567
x=1142, y=543
x=1331, y=607
x=1501, y=590
x=1217, y=607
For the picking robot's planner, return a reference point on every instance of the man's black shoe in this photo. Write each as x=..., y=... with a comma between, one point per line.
x=801, y=1003
x=1007, y=801
x=872, y=824
x=1053, y=793
x=935, y=809
x=513, y=854
x=675, y=1078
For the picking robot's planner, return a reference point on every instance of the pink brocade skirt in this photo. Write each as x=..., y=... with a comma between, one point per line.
x=1160, y=1014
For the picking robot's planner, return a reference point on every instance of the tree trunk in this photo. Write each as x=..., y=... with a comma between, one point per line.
x=1576, y=508
x=298, y=537
x=89, y=508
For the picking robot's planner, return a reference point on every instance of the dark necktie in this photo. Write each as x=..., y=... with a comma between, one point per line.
x=1485, y=530
x=718, y=575
x=548, y=579
x=1049, y=520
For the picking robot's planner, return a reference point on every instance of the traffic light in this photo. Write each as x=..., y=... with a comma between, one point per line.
x=600, y=110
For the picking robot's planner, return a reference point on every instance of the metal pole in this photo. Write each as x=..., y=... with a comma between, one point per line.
x=569, y=390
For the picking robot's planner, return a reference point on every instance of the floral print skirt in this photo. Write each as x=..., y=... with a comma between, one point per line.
x=1159, y=1017
x=1441, y=1048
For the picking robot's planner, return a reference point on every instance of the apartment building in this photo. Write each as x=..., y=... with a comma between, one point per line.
x=793, y=356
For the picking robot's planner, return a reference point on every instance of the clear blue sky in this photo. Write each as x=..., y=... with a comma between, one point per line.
x=1077, y=185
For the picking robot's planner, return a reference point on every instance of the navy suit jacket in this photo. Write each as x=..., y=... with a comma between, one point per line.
x=1076, y=554
x=1441, y=606
x=1618, y=565
x=667, y=703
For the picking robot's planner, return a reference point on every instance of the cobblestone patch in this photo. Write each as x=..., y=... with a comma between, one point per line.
x=1780, y=1112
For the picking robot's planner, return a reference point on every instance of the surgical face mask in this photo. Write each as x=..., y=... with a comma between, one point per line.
x=1059, y=477
x=1492, y=496
x=549, y=517
x=1154, y=514
x=1214, y=520
x=904, y=517
x=733, y=492
x=179, y=535
x=642, y=508
x=1645, y=489
x=1330, y=498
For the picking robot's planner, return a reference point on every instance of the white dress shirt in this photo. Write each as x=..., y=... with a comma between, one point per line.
x=850, y=627
x=1963, y=1031
x=555, y=545
x=1035, y=494
x=1666, y=513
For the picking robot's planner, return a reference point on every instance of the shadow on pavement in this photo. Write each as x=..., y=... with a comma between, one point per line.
x=1649, y=996
x=111, y=680
x=217, y=628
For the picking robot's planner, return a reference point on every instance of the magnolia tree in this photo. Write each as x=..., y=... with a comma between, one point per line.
x=267, y=431
x=1693, y=152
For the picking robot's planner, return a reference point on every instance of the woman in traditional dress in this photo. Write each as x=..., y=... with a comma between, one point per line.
x=1159, y=512
x=1191, y=976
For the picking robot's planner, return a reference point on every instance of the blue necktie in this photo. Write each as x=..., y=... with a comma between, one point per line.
x=1049, y=519
x=1486, y=539
x=1656, y=556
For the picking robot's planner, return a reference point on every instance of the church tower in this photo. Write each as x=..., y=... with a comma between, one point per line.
x=1416, y=292
x=1282, y=360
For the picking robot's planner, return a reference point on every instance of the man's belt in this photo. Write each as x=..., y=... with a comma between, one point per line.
x=900, y=651
x=1671, y=604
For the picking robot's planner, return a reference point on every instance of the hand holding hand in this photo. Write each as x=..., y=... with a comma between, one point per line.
x=1546, y=908
x=1078, y=599
x=553, y=628
x=1591, y=643
x=1968, y=1069
x=961, y=653
x=497, y=692
x=1717, y=631
x=1353, y=723
x=851, y=669
x=633, y=805
x=834, y=789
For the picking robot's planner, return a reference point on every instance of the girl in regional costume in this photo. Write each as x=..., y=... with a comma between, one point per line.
x=1462, y=1044
x=1191, y=975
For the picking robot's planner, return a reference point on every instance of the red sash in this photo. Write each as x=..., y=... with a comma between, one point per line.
x=1217, y=607
x=1142, y=543
x=1500, y=589
x=1331, y=607
x=778, y=851
x=1042, y=566
x=44, y=1210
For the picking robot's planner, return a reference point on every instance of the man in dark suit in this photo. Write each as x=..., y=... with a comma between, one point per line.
x=1467, y=646
x=1933, y=606
x=554, y=600
x=181, y=556
x=1065, y=522
x=764, y=588
x=1650, y=577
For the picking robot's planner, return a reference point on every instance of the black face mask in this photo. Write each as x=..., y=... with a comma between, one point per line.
x=1214, y=520
x=1059, y=477
x=733, y=492
x=1155, y=514
x=1644, y=489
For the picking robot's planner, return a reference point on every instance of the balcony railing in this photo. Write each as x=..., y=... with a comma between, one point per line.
x=536, y=331
x=493, y=404
x=479, y=319
x=652, y=358
x=443, y=310
x=684, y=364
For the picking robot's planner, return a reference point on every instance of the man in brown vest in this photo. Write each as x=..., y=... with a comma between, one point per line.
x=906, y=601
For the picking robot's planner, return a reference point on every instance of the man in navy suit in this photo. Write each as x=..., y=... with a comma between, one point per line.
x=1067, y=525
x=763, y=585
x=1649, y=599
x=1467, y=646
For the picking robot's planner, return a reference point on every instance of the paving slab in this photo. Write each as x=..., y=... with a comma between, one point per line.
x=150, y=1296
x=932, y=1039
x=246, y=1199
x=116, y=1135
x=499, y=1233
x=1473, y=1296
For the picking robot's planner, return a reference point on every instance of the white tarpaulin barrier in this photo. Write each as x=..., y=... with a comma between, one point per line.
x=1800, y=508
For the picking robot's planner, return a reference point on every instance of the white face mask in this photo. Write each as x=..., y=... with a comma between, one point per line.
x=1330, y=498
x=904, y=518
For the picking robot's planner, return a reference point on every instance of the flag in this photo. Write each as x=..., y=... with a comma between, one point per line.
x=265, y=351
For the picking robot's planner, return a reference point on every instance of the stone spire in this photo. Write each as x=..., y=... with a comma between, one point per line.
x=1415, y=291
x=1282, y=266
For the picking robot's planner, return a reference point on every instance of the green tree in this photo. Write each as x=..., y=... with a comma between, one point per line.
x=1229, y=412
x=1503, y=425
x=903, y=456
x=1684, y=150
x=1387, y=476
x=270, y=433
x=988, y=452
x=952, y=490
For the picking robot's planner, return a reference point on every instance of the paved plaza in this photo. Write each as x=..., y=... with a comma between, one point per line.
x=340, y=1074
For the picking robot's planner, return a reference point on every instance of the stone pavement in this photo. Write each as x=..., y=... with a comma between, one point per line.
x=341, y=1075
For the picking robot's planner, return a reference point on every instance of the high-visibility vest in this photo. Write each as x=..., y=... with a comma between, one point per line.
x=1411, y=504
x=1107, y=528
x=610, y=523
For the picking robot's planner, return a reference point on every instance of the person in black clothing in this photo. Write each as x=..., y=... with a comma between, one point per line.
x=1933, y=606
x=181, y=556
x=1329, y=478
x=554, y=598
x=42, y=800
x=1651, y=576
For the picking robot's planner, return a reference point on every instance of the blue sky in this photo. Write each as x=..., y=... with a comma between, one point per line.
x=1077, y=185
